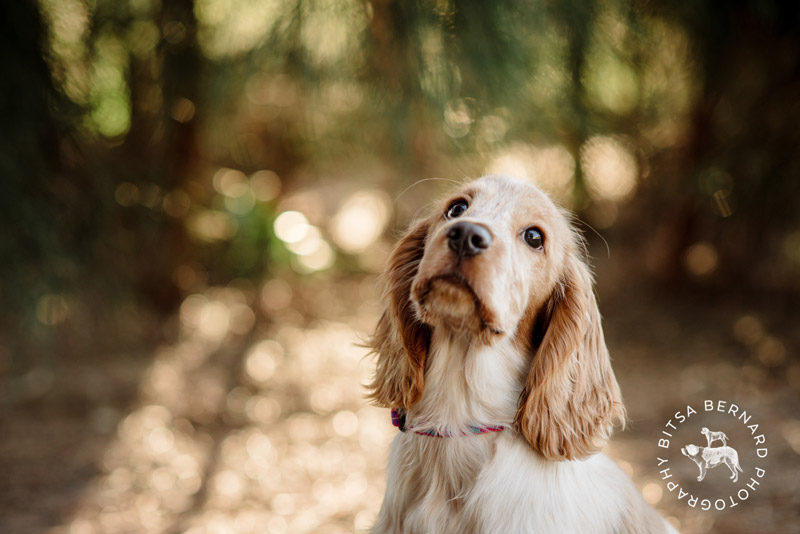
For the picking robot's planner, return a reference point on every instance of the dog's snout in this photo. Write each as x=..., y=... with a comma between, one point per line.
x=468, y=239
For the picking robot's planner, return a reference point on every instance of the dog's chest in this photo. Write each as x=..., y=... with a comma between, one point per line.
x=494, y=483
x=450, y=465
x=440, y=475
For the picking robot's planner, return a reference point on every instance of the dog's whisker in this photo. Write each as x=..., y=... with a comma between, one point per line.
x=422, y=181
x=598, y=234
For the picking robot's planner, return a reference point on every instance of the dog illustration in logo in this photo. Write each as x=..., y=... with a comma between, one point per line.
x=710, y=457
x=714, y=436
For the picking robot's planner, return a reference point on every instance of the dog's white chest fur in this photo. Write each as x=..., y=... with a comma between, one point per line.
x=494, y=483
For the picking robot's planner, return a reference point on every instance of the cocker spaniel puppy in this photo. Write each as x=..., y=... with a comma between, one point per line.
x=491, y=355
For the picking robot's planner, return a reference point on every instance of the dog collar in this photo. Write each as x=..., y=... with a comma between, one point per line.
x=399, y=420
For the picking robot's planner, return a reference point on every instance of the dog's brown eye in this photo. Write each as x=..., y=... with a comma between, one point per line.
x=534, y=238
x=457, y=209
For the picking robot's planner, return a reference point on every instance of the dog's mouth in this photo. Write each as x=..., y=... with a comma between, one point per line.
x=449, y=299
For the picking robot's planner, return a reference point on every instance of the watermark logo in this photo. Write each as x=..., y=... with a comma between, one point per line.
x=695, y=441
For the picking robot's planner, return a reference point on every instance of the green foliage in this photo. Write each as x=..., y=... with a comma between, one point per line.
x=119, y=115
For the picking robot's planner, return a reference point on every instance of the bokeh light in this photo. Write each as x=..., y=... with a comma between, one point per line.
x=552, y=168
x=609, y=167
x=291, y=226
x=212, y=225
x=361, y=220
x=265, y=185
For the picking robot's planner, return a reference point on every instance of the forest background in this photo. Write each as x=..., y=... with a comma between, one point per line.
x=198, y=196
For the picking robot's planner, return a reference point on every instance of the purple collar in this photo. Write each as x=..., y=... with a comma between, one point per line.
x=399, y=420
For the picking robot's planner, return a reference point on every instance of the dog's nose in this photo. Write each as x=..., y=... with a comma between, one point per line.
x=468, y=239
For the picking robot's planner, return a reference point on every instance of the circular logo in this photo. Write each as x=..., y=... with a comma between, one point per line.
x=712, y=455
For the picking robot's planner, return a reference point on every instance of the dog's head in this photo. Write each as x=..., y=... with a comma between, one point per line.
x=704, y=431
x=692, y=452
x=492, y=251
x=499, y=259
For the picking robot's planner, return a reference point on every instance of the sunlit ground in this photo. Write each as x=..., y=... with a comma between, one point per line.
x=241, y=427
x=253, y=420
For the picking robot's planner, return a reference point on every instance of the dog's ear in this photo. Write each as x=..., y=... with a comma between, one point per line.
x=571, y=399
x=401, y=340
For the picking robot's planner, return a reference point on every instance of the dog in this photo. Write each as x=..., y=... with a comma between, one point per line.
x=710, y=457
x=711, y=437
x=491, y=355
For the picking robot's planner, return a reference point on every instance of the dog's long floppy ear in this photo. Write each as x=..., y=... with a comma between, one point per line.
x=401, y=340
x=571, y=399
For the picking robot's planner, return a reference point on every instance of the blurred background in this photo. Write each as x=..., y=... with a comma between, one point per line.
x=197, y=197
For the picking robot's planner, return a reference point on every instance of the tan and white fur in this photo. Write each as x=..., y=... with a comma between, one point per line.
x=508, y=334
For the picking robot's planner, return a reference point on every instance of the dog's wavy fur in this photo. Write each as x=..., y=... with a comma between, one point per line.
x=510, y=337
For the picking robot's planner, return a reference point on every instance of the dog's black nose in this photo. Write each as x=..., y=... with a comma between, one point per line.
x=468, y=239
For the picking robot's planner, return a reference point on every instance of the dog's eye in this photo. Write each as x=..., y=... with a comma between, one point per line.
x=456, y=209
x=534, y=238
